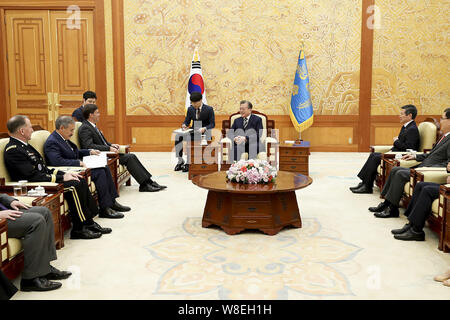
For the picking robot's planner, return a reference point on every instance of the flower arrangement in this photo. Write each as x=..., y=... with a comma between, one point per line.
x=251, y=172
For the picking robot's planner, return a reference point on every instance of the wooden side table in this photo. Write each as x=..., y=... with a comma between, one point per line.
x=202, y=159
x=295, y=158
x=444, y=241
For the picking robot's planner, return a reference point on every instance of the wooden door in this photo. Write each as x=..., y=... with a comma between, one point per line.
x=50, y=63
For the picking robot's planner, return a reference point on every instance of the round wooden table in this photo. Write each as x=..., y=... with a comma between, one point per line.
x=267, y=207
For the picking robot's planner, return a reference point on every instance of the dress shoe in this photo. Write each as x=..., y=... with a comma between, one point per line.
x=399, y=231
x=56, y=274
x=179, y=165
x=156, y=185
x=118, y=207
x=410, y=234
x=381, y=207
x=84, y=233
x=358, y=186
x=146, y=187
x=38, y=284
x=97, y=228
x=186, y=167
x=443, y=277
x=363, y=189
x=110, y=214
x=387, y=213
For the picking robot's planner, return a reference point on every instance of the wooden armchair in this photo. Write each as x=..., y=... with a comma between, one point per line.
x=269, y=138
x=11, y=251
x=444, y=205
x=119, y=172
x=429, y=133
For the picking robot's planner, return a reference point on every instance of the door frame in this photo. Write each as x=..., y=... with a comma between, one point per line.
x=97, y=7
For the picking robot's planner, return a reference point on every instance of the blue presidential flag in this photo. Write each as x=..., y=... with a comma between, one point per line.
x=301, y=110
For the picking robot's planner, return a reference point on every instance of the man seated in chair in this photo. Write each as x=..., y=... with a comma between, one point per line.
x=61, y=152
x=89, y=97
x=24, y=162
x=203, y=120
x=439, y=156
x=246, y=132
x=408, y=138
x=418, y=210
x=92, y=138
x=34, y=225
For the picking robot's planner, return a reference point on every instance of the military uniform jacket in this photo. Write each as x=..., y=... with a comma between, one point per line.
x=24, y=162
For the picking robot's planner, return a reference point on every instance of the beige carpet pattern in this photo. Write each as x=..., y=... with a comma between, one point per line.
x=160, y=251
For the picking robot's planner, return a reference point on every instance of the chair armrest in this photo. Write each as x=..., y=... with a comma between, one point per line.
x=407, y=163
x=124, y=149
x=380, y=149
x=69, y=169
x=432, y=176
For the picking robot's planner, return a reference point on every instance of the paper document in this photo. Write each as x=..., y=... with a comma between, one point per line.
x=95, y=161
x=181, y=131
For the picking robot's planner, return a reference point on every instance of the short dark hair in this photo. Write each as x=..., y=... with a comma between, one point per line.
x=447, y=113
x=196, y=96
x=89, y=95
x=410, y=109
x=250, y=106
x=15, y=123
x=88, y=109
x=63, y=121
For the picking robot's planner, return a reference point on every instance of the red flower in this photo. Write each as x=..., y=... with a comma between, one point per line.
x=244, y=169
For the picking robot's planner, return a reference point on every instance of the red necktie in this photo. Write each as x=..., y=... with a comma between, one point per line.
x=441, y=139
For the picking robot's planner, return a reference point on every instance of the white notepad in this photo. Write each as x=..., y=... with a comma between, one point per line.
x=181, y=131
x=95, y=161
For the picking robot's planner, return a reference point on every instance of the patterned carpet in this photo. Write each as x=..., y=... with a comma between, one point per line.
x=160, y=251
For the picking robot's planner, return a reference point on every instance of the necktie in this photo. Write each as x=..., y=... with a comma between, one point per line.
x=101, y=136
x=2, y=207
x=245, y=122
x=67, y=141
x=197, y=114
x=440, y=140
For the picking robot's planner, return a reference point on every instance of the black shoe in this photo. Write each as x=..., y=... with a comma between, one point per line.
x=56, y=274
x=118, y=207
x=84, y=233
x=381, y=207
x=146, y=187
x=402, y=230
x=110, y=214
x=410, y=234
x=97, y=228
x=391, y=212
x=179, y=165
x=156, y=185
x=38, y=284
x=363, y=189
x=358, y=186
x=186, y=167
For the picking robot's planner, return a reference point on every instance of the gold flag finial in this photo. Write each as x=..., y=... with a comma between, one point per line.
x=196, y=58
x=302, y=45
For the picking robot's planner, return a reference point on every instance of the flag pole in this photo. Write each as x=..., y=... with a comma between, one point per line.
x=302, y=45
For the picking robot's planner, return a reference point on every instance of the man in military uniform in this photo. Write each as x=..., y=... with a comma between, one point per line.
x=23, y=162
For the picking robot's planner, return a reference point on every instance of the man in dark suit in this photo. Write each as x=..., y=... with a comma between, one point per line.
x=439, y=156
x=418, y=210
x=408, y=138
x=24, y=162
x=89, y=97
x=203, y=119
x=92, y=138
x=60, y=151
x=246, y=132
x=34, y=225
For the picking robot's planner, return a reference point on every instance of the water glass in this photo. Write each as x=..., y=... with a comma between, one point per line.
x=17, y=190
x=23, y=184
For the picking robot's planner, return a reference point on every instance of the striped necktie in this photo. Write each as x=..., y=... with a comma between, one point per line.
x=101, y=136
x=245, y=122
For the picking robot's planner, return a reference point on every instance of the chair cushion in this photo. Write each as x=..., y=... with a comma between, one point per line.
x=38, y=139
x=406, y=188
x=3, y=172
x=435, y=208
x=74, y=138
x=379, y=169
x=14, y=247
x=427, y=132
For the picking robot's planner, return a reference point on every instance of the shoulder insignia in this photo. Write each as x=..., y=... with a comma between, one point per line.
x=10, y=147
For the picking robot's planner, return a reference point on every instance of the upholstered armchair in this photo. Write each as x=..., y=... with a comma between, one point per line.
x=269, y=139
x=428, y=131
x=119, y=172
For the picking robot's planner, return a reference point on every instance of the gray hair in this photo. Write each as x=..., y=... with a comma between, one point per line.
x=15, y=123
x=63, y=121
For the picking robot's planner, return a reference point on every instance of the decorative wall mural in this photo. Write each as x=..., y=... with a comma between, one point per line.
x=247, y=51
x=410, y=57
